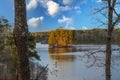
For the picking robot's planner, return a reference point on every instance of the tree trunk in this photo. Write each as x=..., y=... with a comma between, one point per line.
x=21, y=39
x=108, y=57
x=108, y=44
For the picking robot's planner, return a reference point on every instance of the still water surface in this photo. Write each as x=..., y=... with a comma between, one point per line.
x=83, y=62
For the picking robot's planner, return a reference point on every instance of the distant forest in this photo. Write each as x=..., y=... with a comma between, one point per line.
x=94, y=36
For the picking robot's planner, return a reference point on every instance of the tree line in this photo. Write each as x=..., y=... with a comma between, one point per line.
x=65, y=37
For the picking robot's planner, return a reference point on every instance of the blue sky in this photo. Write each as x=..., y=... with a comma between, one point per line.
x=50, y=14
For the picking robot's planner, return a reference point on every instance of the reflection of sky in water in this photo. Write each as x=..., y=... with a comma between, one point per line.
x=73, y=66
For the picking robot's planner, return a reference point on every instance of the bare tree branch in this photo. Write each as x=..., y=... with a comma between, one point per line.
x=104, y=15
x=40, y=73
x=116, y=12
x=116, y=21
x=100, y=21
x=113, y=4
x=99, y=10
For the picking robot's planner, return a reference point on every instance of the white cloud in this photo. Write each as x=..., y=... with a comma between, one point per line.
x=43, y=3
x=35, y=22
x=99, y=0
x=32, y=4
x=67, y=21
x=53, y=8
x=67, y=1
x=65, y=8
x=84, y=27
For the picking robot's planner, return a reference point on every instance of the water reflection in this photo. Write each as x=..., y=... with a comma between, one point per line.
x=61, y=50
x=60, y=54
x=69, y=64
x=66, y=65
x=62, y=58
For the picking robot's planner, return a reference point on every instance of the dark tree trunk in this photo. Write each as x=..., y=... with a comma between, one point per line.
x=108, y=43
x=21, y=39
x=108, y=56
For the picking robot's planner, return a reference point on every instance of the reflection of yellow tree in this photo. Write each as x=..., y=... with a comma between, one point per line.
x=59, y=57
x=58, y=50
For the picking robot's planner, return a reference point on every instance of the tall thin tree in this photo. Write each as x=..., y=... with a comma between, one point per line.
x=113, y=18
x=111, y=26
x=21, y=39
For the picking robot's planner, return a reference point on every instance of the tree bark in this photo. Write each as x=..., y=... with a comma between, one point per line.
x=21, y=39
x=108, y=43
x=108, y=56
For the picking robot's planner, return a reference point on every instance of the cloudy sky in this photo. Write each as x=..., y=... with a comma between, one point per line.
x=50, y=14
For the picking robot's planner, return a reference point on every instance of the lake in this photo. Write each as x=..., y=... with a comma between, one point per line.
x=83, y=62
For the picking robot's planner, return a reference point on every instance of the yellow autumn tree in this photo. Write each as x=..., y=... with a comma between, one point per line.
x=51, y=40
x=60, y=37
x=70, y=36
